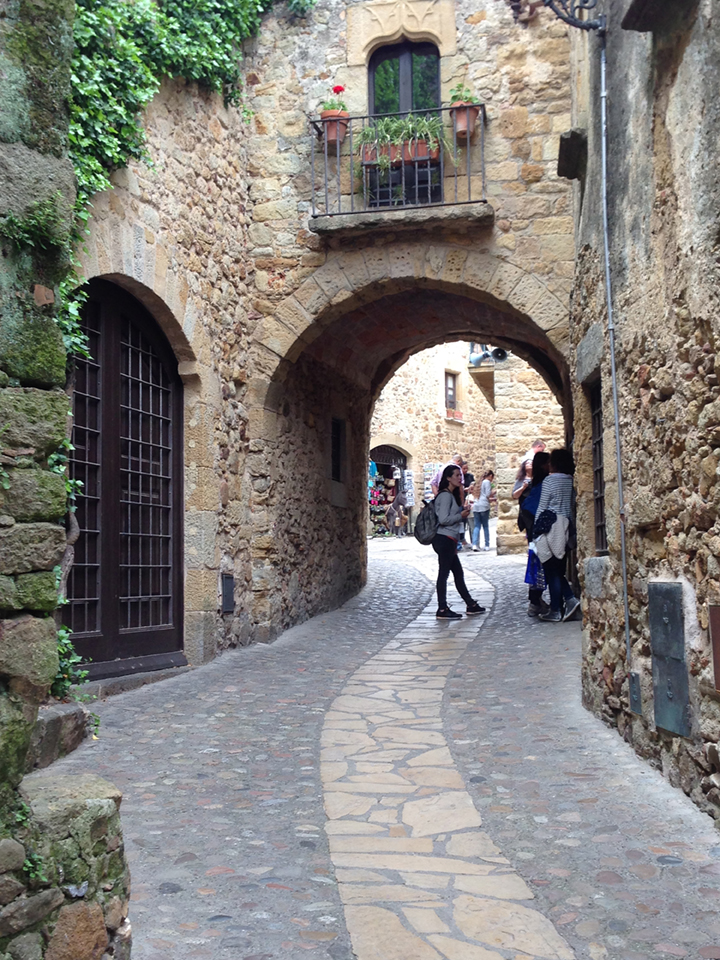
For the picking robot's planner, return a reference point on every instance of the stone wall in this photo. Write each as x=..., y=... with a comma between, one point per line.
x=63, y=877
x=664, y=198
x=214, y=240
x=410, y=414
x=525, y=410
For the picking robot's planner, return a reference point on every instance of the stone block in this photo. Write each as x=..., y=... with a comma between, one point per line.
x=8, y=594
x=28, y=946
x=201, y=637
x=595, y=570
x=37, y=591
x=590, y=353
x=79, y=934
x=28, y=177
x=12, y=855
x=275, y=210
x=25, y=547
x=34, y=495
x=33, y=418
x=28, y=649
x=200, y=539
x=10, y=888
x=23, y=913
x=59, y=729
x=513, y=122
x=32, y=348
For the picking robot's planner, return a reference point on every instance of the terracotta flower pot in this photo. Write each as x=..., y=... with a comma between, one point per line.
x=335, y=124
x=419, y=150
x=465, y=116
x=370, y=153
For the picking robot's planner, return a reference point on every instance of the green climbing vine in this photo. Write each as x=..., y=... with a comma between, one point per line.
x=122, y=49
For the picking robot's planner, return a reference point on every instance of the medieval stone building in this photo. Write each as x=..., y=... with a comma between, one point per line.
x=253, y=291
x=659, y=683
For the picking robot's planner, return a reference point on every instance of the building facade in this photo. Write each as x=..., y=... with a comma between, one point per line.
x=658, y=684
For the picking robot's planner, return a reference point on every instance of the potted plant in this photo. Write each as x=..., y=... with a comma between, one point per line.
x=464, y=109
x=390, y=141
x=380, y=142
x=334, y=114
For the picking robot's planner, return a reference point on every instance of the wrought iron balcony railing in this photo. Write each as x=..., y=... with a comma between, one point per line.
x=398, y=161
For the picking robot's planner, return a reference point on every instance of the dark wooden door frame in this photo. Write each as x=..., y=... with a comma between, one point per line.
x=113, y=649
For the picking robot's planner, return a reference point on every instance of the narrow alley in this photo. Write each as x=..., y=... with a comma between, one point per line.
x=430, y=790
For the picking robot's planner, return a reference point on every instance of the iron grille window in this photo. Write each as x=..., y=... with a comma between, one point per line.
x=451, y=391
x=598, y=469
x=125, y=586
x=337, y=449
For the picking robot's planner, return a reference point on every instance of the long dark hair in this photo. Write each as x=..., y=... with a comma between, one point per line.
x=541, y=468
x=445, y=479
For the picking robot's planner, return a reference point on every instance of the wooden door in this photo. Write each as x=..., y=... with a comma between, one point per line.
x=125, y=601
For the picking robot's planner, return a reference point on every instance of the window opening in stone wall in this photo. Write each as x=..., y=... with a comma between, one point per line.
x=595, y=392
x=125, y=586
x=404, y=79
x=337, y=450
x=450, y=391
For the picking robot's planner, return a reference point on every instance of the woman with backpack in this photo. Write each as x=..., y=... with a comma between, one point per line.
x=451, y=516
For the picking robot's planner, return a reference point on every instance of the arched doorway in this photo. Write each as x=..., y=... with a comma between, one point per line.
x=125, y=596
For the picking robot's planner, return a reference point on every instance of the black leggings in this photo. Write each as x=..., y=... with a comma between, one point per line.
x=449, y=561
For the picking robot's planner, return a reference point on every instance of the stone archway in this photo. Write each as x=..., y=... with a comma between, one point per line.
x=319, y=362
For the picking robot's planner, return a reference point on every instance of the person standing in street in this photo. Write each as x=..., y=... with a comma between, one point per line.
x=451, y=515
x=455, y=461
x=481, y=510
x=556, y=497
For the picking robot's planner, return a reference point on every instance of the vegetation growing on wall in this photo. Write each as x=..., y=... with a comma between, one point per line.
x=124, y=47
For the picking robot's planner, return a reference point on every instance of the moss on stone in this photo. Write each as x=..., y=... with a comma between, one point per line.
x=34, y=495
x=32, y=349
x=15, y=732
x=41, y=43
x=33, y=418
x=37, y=591
x=8, y=594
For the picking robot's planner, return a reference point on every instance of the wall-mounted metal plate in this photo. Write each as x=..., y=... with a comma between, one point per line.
x=227, y=602
x=714, y=610
x=667, y=628
x=635, y=696
x=667, y=641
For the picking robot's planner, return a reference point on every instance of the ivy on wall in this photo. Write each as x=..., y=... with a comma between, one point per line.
x=124, y=47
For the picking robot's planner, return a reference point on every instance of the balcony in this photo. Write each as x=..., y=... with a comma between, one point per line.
x=400, y=171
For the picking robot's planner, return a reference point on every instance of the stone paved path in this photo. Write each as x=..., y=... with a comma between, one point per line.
x=483, y=814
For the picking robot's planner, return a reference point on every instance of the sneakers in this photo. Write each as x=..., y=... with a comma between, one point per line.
x=552, y=616
x=534, y=610
x=448, y=614
x=486, y=548
x=473, y=609
x=475, y=549
x=570, y=607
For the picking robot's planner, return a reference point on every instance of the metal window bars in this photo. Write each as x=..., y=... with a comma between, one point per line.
x=362, y=168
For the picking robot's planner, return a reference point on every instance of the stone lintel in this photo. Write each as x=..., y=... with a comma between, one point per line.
x=460, y=217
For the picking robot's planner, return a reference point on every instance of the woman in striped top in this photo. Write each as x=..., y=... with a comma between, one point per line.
x=556, y=495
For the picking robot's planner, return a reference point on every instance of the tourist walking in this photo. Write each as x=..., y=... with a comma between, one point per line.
x=481, y=511
x=451, y=514
x=553, y=521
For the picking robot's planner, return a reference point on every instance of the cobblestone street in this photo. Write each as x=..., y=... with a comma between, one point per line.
x=435, y=790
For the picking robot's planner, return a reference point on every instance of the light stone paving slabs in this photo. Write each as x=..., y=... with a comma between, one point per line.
x=419, y=880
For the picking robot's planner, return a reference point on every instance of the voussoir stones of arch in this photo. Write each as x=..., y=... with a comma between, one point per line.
x=360, y=276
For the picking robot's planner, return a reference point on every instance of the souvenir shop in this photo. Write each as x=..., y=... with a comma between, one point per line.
x=388, y=476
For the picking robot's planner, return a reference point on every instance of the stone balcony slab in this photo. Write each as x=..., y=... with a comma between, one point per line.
x=459, y=217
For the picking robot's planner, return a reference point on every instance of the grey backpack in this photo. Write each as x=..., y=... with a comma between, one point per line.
x=426, y=524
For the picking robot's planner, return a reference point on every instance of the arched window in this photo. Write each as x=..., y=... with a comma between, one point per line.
x=125, y=587
x=404, y=78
